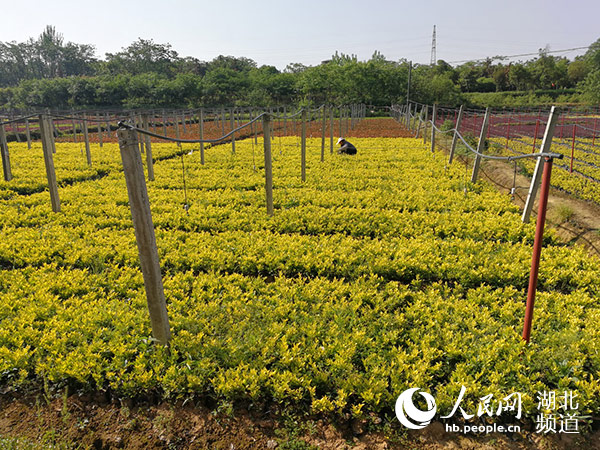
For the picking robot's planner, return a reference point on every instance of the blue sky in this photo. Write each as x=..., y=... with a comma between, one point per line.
x=277, y=32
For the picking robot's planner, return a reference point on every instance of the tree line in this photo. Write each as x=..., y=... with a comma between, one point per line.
x=49, y=72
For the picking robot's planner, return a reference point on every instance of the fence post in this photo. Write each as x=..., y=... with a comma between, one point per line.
x=268, y=163
x=149, y=161
x=537, y=173
x=144, y=234
x=572, y=150
x=537, y=248
x=420, y=117
x=303, y=145
x=100, y=133
x=202, y=136
x=480, y=145
x=331, y=125
x=232, y=124
x=74, y=126
x=46, y=134
x=177, y=131
x=51, y=129
x=426, y=124
x=28, y=133
x=86, y=138
x=455, y=137
x=323, y=127
x=433, y=117
x=5, y=155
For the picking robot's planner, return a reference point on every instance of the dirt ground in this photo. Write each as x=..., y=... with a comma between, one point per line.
x=94, y=423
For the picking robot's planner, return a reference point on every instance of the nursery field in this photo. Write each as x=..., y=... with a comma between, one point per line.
x=380, y=273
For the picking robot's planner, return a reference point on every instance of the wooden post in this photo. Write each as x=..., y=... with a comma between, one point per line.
x=539, y=166
x=5, y=155
x=149, y=161
x=164, y=121
x=480, y=146
x=46, y=133
x=456, y=131
x=223, y=120
x=51, y=134
x=177, y=132
x=331, y=124
x=268, y=163
x=232, y=124
x=201, y=136
x=86, y=138
x=323, y=127
x=426, y=124
x=420, y=117
x=303, y=146
x=74, y=127
x=144, y=234
x=28, y=133
x=433, y=117
x=99, y=133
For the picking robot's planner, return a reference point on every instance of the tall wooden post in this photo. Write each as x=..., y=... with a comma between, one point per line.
x=323, y=128
x=303, y=146
x=5, y=155
x=177, y=132
x=28, y=133
x=149, y=161
x=202, y=136
x=268, y=163
x=537, y=173
x=331, y=124
x=232, y=123
x=480, y=145
x=86, y=138
x=46, y=135
x=74, y=127
x=144, y=234
x=100, y=133
x=455, y=136
x=433, y=117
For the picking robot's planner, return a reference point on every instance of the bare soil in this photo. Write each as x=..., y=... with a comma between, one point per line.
x=91, y=422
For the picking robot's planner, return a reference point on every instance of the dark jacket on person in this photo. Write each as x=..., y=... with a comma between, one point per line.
x=347, y=149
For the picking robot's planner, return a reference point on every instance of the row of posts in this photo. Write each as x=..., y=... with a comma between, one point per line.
x=142, y=217
x=133, y=144
x=541, y=177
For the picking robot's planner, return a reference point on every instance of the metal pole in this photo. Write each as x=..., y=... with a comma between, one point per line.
x=537, y=173
x=537, y=248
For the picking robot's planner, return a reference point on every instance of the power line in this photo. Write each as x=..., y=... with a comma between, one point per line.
x=520, y=55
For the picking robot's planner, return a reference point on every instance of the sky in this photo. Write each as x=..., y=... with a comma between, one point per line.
x=309, y=31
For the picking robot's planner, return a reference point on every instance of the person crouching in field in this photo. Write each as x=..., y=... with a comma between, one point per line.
x=346, y=147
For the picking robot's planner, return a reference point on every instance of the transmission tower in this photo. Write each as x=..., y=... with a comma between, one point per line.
x=433, y=56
